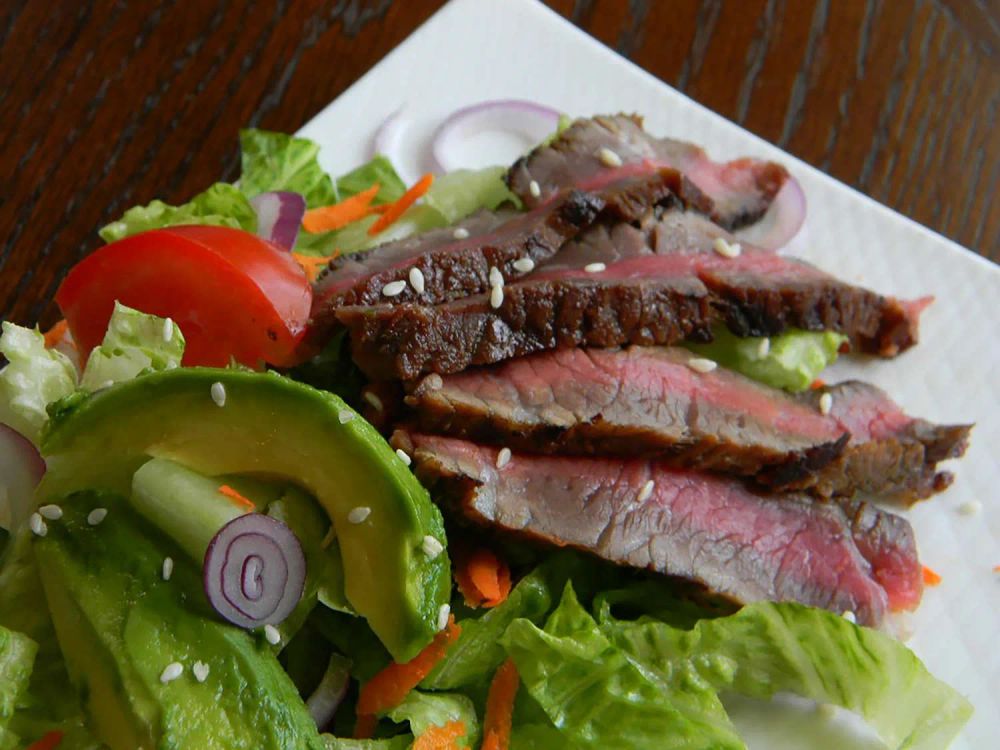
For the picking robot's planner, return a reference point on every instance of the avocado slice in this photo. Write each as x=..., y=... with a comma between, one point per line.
x=120, y=624
x=272, y=427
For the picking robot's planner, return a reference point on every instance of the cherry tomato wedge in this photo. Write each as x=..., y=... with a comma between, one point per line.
x=232, y=293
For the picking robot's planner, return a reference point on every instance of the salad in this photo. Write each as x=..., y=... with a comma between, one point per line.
x=223, y=529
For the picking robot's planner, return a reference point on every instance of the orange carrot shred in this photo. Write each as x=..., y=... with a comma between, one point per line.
x=389, y=688
x=236, y=497
x=49, y=741
x=817, y=384
x=313, y=264
x=931, y=578
x=996, y=568
x=364, y=727
x=55, y=334
x=397, y=209
x=482, y=578
x=351, y=209
x=441, y=737
x=500, y=707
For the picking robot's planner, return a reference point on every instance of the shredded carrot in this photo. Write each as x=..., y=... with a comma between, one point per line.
x=389, y=688
x=340, y=214
x=48, y=742
x=482, y=578
x=931, y=578
x=236, y=497
x=313, y=264
x=364, y=726
x=397, y=209
x=500, y=707
x=996, y=568
x=817, y=384
x=55, y=334
x=441, y=738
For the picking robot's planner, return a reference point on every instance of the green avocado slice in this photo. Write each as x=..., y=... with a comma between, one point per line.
x=273, y=427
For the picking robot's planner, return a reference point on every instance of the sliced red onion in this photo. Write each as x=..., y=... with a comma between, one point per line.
x=529, y=120
x=279, y=216
x=782, y=221
x=326, y=698
x=254, y=571
x=386, y=140
x=21, y=469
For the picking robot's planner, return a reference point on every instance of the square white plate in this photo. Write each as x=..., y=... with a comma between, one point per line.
x=475, y=50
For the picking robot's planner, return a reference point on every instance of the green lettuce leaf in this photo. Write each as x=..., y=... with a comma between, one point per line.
x=17, y=658
x=378, y=170
x=221, y=205
x=276, y=161
x=462, y=192
x=766, y=648
x=425, y=710
x=399, y=742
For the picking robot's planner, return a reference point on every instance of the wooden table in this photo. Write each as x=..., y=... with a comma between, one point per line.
x=107, y=104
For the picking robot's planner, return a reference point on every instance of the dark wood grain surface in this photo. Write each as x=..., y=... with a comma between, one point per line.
x=107, y=104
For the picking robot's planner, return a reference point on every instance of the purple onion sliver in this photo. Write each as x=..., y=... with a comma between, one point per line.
x=326, y=698
x=21, y=469
x=783, y=220
x=254, y=571
x=386, y=138
x=279, y=216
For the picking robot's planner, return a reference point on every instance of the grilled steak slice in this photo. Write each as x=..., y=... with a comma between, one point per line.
x=709, y=529
x=647, y=401
x=741, y=191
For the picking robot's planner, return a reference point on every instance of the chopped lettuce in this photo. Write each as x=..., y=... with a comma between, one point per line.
x=425, y=710
x=276, y=161
x=791, y=361
x=457, y=194
x=34, y=378
x=221, y=205
x=17, y=657
x=134, y=343
x=399, y=742
x=379, y=170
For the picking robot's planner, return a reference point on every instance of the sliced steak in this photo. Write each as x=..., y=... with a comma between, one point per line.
x=712, y=530
x=741, y=191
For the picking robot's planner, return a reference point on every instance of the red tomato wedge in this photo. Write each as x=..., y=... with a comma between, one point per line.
x=231, y=293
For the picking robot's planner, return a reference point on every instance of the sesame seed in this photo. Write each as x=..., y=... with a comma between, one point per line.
x=417, y=280
x=200, y=671
x=970, y=508
x=272, y=635
x=393, y=288
x=168, y=568
x=702, y=365
x=608, y=157
x=434, y=381
x=359, y=514
x=219, y=394
x=172, y=671
x=50, y=512
x=106, y=384
x=646, y=491
x=825, y=403
x=725, y=249
x=460, y=233
x=595, y=267
x=534, y=189
x=403, y=456
x=96, y=516
x=496, y=278
x=849, y=616
x=372, y=398
x=443, y=615
x=496, y=296
x=345, y=416
x=168, y=330
x=432, y=547
x=524, y=265
x=764, y=347
x=503, y=457
x=37, y=525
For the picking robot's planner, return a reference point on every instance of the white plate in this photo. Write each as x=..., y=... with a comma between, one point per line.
x=474, y=50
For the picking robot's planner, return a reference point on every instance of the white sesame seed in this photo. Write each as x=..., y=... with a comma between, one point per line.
x=725, y=249
x=432, y=547
x=496, y=278
x=168, y=568
x=393, y=288
x=106, y=384
x=345, y=416
x=702, y=365
x=200, y=671
x=443, y=615
x=37, y=525
x=168, y=330
x=272, y=635
x=763, y=347
x=172, y=671
x=608, y=157
x=219, y=394
x=496, y=296
x=970, y=508
x=524, y=265
x=50, y=512
x=825, y=403
x=434, y=381
x=646, y=491
x=404, y=456
x=417, y=280
x=372, y=398
x=96, y=516
x=595, y=267
x=503, y=457
x=359, y=514
x=534, y=189
x=849, y=616
x=460, y=233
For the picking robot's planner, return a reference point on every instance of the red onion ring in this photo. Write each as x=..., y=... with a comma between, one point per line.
x=21, y=469
x=279, y=216
x=328, y=695
x=530, y=120
x=254, y=571
x=783, y=220
x=386, y=139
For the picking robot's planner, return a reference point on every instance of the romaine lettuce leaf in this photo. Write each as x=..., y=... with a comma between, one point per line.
x=378, y=170
x=425, y=710
x=399, y=742
x=17, y=658
x=276, y=161
x=457, y=194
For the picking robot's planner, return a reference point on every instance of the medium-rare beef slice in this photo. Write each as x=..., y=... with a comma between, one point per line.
x=587, y=151
x=712, y=530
